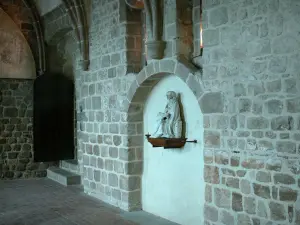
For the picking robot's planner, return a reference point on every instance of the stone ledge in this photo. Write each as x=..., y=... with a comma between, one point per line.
x=63, y=177
x=70, y=165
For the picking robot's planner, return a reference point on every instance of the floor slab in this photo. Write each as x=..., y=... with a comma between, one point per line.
x=44, y=202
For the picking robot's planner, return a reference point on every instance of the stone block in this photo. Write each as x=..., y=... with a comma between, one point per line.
x=130, y=183
x=252, y=163
x=212, y=139
x=249, y=205
x=293, y=105
x=280, y=178
x=274, y=164
x=274, y=86
x=221, y=157
x=262, y=210
x=208, y=193
x=257, y=123
x=208, y=156
x=105, y=61
x=222, y=198
x=235, y=161
x=119, y=167
x=116, y=194
x=134, y=168
x=211, y=174
x=228, y=172
x=233, y=122
x=287, y=194
x=243, y=219
x=262, y=191
x=262, y=176
x=96, y=102
x=286, y=147
x=239, y=90
x=278, y=211
x=212, y=102
x=227, y=218
x=241, y=173
x=167, y=66
x=274, y=106
x=218, y=16
x=278, y=64
x=109, y=166
x=117, y=140
x=10, y=112
x=233, y=182
x=282, y=123
x=285, y=44
x=237, y=202
x=290, y=86
x=211, y=37
x=112, y=72
x=259, y=47
x=245, y=105
x=100, y=163
x=97, y=175
x=211, y=213
x=113, y=180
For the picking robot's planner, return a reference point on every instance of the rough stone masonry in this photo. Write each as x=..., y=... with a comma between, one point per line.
x=252, y=133
x=248, y=93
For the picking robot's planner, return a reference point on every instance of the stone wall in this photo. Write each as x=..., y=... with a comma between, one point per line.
x=251, y=56
x=248, y=92
x=16, y=143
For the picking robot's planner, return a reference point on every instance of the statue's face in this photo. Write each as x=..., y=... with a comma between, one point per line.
x=170, y=95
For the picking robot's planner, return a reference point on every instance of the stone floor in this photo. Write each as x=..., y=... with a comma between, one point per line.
x=44, y=202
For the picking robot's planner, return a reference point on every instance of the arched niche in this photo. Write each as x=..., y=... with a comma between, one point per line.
x=16, y=58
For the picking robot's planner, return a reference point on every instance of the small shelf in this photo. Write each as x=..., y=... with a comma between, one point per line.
x=168, y=142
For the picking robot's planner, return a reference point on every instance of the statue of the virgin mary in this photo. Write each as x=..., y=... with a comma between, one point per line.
x=169, y=124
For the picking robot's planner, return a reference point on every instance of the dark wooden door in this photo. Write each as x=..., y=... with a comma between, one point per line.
x=53, y=121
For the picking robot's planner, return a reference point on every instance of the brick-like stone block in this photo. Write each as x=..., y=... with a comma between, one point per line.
x=211, y=174
x=222, y=198
x=212, y=103
x=233, y=182
x=262, y=176
x=250, y=205
x=287, y=194
x=280, y=178
x=212, y=139
x=237, y=202
x=286, y=147
x=227, y=218
x=262, y=210
x=211, y=213
x=278, y=211
x=257, y=123
x=262, y=191
x=221, y=157
x=243, y=219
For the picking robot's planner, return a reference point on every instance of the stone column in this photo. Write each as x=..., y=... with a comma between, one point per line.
x=179, y=28
x=154, y=20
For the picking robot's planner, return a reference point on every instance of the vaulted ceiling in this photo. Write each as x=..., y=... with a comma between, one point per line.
x=45, y=6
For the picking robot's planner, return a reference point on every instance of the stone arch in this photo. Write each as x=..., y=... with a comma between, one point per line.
x=133, y=108
x=56, y=52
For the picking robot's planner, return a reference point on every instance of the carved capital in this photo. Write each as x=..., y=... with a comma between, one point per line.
x=155, y=49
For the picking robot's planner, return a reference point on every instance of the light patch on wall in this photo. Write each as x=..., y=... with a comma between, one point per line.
x=16, y=59
x=172, y=183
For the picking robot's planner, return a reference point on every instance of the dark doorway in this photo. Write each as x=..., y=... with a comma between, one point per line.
x=53, y=121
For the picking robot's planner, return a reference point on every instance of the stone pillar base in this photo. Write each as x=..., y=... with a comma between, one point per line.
x=156, y=49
